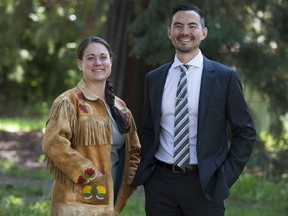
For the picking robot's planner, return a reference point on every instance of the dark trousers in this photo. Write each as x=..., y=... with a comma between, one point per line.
x=177, y=194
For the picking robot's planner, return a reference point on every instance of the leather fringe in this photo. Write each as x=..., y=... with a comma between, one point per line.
x=93, y=132
x=63, y=104
x=58, y=175
x=64, y=108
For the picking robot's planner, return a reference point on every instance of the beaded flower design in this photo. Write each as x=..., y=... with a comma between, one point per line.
x=82, y=103
x=99, y=191
x=123, y=108
x=88, y=191
x=89, y=175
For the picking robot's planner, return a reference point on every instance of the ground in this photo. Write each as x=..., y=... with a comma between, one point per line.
x=24, y=149
x=21, y=148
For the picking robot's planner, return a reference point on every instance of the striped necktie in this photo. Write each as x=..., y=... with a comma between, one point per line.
x=181, y=125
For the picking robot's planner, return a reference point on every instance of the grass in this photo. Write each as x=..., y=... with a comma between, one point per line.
x=240, y=208
x=25, y=193
x=12, y=205
x=135, y=206
x=250, y=196
x=255, y=196
x=21, y=124
x=9, y=169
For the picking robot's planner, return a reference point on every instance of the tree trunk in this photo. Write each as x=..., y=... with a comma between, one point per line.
x=117, y=35
x=127, y=71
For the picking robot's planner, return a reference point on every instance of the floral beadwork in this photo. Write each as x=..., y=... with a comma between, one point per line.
x=82, y=105
x=123, y=108
x=99, y=191
x=89, y=175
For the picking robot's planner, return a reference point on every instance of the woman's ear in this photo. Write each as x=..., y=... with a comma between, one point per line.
x=79, y=63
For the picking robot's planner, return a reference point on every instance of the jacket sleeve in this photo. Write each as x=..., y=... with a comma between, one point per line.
x=61, y=158
x=242, y=131
x=134, y=150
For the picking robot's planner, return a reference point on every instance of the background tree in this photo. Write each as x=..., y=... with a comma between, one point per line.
x=249, y=36
x=38, y=55
x=38, y=50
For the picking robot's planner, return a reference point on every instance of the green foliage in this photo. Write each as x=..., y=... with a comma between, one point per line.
x=11, y=205
x=40, y=39
x=270, y=153
x=235, y=208
x=9, y=169
x=253, y=196
x=38, y=56
x=257, y=196
x=24, y=191
x=24, y=197
x=21, y=124
x=149, y=40
x=135, y=206
x=249, y=36
x=256, y=189
x=39, y=50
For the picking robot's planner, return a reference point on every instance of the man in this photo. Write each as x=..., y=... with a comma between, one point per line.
x=197, y=184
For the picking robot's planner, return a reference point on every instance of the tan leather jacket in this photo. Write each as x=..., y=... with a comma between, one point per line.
x=77, y=145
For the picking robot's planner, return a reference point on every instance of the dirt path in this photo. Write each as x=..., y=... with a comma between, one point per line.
x=24, y=149
x=21, y=148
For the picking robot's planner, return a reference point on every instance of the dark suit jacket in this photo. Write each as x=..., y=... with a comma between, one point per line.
x=221, y=103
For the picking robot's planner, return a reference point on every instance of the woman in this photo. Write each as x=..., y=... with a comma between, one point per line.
x=91, y=143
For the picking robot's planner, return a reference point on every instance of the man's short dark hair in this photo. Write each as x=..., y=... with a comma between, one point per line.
x=190, y=7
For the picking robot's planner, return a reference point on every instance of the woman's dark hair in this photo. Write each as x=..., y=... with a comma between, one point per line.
x=118, y=116
x=188, y=7
x=89, y=40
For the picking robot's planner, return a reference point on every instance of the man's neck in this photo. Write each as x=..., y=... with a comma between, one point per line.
x=186, y=57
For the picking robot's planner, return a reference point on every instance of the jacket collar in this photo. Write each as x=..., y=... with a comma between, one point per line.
x=88, y=94
x=83, y=87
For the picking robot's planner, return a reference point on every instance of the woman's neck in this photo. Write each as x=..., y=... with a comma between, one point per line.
x=97, y=88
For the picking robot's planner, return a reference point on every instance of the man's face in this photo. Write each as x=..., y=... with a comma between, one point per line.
x=186, y=32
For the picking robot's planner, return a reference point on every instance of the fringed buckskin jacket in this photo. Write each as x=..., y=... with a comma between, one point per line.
x=77, y=144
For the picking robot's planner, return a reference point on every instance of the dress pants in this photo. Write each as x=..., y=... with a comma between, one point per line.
x=177, y=194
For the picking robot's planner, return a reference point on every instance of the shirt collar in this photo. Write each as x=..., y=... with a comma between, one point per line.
x=197, y=61
x=82, y=85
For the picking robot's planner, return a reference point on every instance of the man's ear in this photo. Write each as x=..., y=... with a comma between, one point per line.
x=168, y=32
x=204, y=33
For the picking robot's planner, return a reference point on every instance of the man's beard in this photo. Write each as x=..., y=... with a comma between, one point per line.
x=184, y=49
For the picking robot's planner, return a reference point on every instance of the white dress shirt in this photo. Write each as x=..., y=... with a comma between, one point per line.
x=194, y=74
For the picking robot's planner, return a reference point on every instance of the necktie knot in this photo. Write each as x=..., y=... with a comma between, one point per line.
x=184, y=67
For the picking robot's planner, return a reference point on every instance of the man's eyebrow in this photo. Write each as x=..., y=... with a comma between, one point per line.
x=191, y=23
x=177, y=23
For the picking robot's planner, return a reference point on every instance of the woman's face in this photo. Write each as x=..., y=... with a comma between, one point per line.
x=96, y=63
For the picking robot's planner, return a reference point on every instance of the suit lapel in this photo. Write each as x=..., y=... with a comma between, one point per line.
x=158, y=93
x=207, y=82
